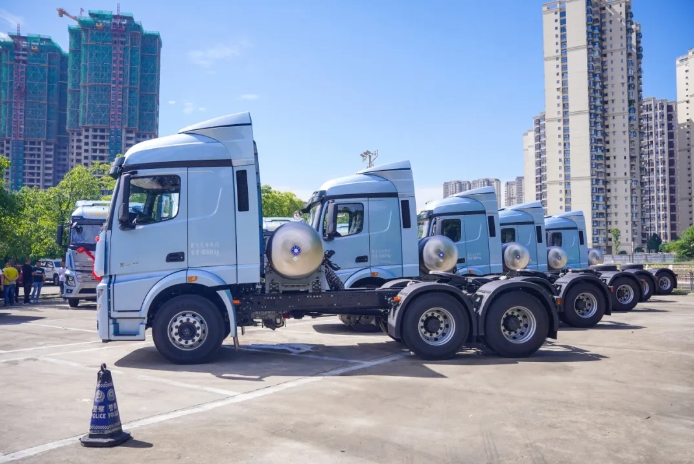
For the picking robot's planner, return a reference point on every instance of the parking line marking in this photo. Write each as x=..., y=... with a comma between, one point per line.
x=65, y=352
x=301, y=355
x=49, y=346
x=173, y=383
x=28, y=452
x=30, y=324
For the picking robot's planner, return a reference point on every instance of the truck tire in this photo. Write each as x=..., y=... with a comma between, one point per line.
x=625, y=295
x=664, y=283
x=435, y=326
x=73, y=302
x=364, y=324
x=516, y=326
x=584, y=305
x=188, y=329
x=649, y=289
x=383, y=325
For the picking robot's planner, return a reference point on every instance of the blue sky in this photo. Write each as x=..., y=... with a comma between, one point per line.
x=451, y=85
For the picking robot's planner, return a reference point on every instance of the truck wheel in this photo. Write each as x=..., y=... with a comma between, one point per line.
x=188, y=329
x=435, y=326
x=73, y=302
x=584, y=306
x=625, y=294
x=516, y=325
x=665, y=284
x=648, y=288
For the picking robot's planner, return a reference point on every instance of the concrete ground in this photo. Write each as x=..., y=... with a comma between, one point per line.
x=622, y=392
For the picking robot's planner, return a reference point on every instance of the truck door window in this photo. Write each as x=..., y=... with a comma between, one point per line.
x=422, y=228
x=350, y=219
x=154, y=199
x=452, y=229
x=555, y=239
x=508, y=235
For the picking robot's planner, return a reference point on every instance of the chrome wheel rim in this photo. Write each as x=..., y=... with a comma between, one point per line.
x=187, y=330
x=586, y=305
x=664, y=283
x=436, y=326
x=518, y=324
x=625, y=294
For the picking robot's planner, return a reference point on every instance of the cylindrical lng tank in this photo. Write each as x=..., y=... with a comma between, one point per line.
x=595, y=257
x=437, y=253
x=556, y=258
x=515, y=255
x=295, y=250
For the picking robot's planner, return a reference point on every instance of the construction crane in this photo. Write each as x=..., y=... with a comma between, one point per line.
x=62, y=12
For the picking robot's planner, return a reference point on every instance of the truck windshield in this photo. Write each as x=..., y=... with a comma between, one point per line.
x=314, y=215
x=84, y=234
x=423, y=227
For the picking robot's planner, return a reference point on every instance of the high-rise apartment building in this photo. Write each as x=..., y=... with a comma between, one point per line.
x=685, y=147
x=592, y=60
x=455, y=186
x=659, y=211
x=113, y=86
x=33, y=90
x=535, y=162
x=488, y=182
x=513, y=190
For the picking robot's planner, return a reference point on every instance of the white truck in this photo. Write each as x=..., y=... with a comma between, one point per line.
x=191, y=263
x=85, y=223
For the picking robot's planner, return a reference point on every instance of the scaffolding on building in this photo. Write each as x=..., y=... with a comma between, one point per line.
x=33, y=75
x=113, y=76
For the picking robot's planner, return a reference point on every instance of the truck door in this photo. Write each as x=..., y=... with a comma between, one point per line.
x=156, y=245
x=351, y=244
x=385, y=237
x=453, y=228
x=477, y=242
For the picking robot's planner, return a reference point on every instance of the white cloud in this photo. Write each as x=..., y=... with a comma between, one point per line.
x=206, y=58
x=4, y=36
x=11, y=19
x=172, y=102
x=202, y=108
x=248, y=96
x=188, y=107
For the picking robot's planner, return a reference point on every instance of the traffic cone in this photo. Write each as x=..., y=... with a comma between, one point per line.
x=105, y=429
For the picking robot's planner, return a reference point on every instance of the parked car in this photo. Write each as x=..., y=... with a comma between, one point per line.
x=50, y=267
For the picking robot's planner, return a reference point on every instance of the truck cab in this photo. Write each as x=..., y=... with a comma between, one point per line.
x=567, y=230
x=525, y=224
x=470, y=219
x=375, y=237
x=85, y=224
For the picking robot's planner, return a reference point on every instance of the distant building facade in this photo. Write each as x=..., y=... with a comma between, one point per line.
x=33, y=90
x=455, y=186
x=113, y=86
x=684, y=69
x=513, y=190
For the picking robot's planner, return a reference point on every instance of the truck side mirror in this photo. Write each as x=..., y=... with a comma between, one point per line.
x=124, y=209
x=331, y=222
x=59, y=235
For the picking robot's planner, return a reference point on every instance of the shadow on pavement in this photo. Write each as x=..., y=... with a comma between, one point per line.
x=342, y=329
x=255, y=363
x=132, y=443
x=603, y=325
x=648, y=310
x=14, y=319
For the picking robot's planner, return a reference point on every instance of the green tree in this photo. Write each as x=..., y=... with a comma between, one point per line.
x=684, y=247
x=8, y=210
x=654, y=243
x=638, y=249
x=615, y=239
x=279, y=204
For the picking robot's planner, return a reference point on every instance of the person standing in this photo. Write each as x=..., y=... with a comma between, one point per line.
x=27, y=279
x=61, y=278
x=10, y=275
x=39, y=279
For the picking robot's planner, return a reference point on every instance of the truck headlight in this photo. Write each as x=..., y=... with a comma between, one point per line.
x=70, y=280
